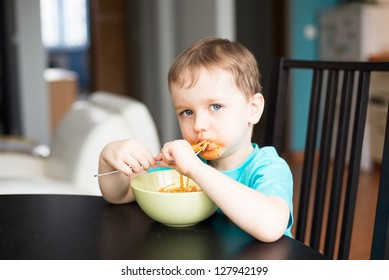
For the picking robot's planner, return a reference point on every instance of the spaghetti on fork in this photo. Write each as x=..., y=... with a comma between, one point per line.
x=200, y=147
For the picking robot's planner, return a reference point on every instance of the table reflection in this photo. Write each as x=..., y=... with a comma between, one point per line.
x=138, y=237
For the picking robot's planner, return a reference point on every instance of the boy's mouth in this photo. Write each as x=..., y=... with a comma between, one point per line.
x=211, y=150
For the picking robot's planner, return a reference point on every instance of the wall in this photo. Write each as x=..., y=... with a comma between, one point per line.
x=31, y=64
x=302, y=26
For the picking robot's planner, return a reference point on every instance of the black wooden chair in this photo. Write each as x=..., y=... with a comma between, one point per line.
x=335, y=132
x=380, y=244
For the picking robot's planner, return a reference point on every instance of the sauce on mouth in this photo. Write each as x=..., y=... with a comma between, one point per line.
x=211, y=152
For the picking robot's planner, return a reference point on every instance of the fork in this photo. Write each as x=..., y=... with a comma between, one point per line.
x=197, y=148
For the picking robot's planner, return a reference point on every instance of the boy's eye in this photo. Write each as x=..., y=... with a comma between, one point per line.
x=215, y=107
x=186, y=113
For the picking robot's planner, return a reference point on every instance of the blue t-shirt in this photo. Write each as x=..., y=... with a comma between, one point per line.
x=265, y=171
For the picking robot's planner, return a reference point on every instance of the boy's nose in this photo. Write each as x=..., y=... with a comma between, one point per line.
x=200, y=124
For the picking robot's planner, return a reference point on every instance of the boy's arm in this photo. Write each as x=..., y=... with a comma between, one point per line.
x=262, y=216
x=116, y=187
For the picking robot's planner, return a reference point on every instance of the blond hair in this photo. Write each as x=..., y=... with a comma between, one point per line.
x=213, y=54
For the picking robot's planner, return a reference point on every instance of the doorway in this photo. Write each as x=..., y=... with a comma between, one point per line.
x=10, y=123
x=260, y=26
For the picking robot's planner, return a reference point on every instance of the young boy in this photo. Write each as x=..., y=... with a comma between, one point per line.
x=216, y=91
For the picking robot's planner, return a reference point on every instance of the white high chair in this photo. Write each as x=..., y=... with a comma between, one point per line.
x=76, y=145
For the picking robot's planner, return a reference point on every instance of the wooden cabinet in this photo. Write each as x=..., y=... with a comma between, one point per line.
x=63, y=92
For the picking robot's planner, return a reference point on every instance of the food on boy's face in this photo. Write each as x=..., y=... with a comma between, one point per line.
x=208, y=149
x=212, y=152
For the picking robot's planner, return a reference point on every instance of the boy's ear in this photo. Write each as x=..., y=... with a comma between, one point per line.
x=257, y=104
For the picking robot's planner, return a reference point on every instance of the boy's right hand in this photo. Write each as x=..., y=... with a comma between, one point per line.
x=127, y=156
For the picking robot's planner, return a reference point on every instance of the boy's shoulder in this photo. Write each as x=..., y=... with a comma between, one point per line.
x=267, y=157
x=268, y=151
x=265, y=153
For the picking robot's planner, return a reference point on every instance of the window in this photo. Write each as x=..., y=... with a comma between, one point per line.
x=64, y=24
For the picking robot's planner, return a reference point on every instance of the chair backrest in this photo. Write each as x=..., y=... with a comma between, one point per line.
x=380, y=244
x=135, y=114
x=339, y=98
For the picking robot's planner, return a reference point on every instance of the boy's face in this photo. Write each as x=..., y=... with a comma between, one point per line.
x=216, y=110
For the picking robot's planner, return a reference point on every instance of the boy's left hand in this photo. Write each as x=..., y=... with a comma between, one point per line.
x=178, y=154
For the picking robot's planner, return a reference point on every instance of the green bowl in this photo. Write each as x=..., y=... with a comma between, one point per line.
x=172, y=209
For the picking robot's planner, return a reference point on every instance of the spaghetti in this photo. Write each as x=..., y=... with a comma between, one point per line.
x=185, y=187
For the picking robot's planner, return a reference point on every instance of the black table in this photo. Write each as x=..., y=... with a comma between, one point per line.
x=87, y=227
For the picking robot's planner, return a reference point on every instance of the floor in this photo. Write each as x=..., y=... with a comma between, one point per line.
x=365, y=207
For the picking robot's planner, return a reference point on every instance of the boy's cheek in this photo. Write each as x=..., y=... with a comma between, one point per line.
x=187, y=131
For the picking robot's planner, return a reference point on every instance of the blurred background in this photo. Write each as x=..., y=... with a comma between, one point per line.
x=126, y=47
x=56, y=52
